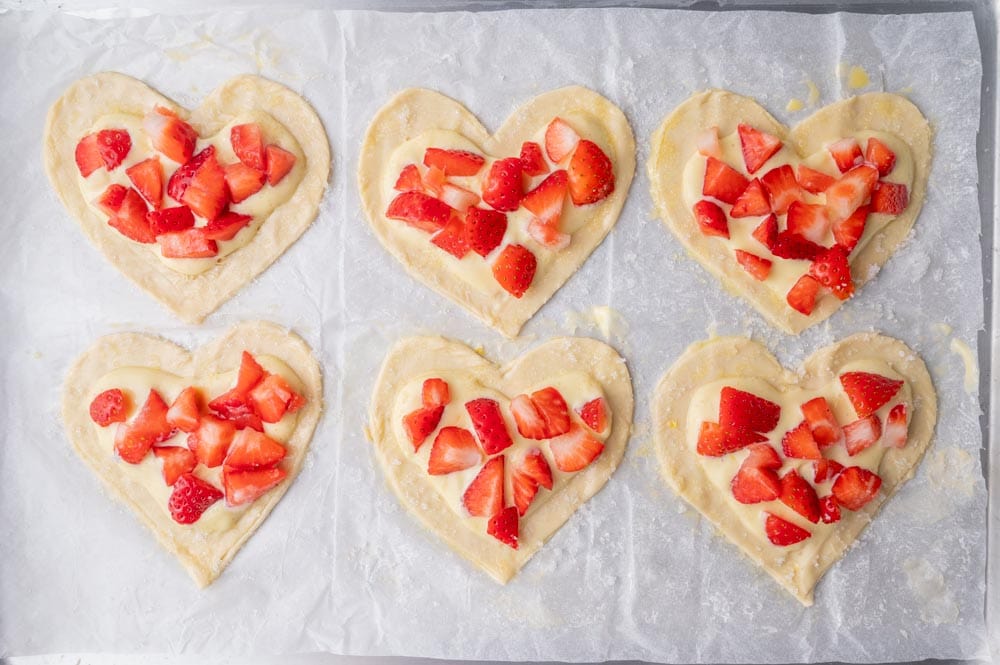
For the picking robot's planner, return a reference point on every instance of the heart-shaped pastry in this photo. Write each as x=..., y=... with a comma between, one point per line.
x=793, y=221
x=189, y=206
x=496, y=222
x=201, y=446
x=495, y=459
x=792, y=466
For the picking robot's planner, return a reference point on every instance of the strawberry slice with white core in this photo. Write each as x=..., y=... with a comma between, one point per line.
x=862, y=434
x=889, y=198
x=851, y=191
x=782, y=188
x=799, y=443
x=248, y=145
x=190, y=498
x=594, y=414
x=251, y=449
x=813, y=181
x=489, y=425
x=457, y=197
x=434, y=180
x=110, y=406
x=832, y=270
x=846, y=153
x=707, y=142
x=409, y=180
x=855, y=487
x=226, y=226
x=591, y=174
x=279, y=163
x=169, y=134
x=532, y=161
x=419, y=211
x=711, y=219
x=542, y=415
x=753, y=202
x=758, y=147
x=484, y=230
x=782, y=532
x=454, y=449
x=758, y=267
x=799, y=495
x=714, y=440
x=147, y=176
x=182, y=177
x=211, y=441
x=454, y=162
x=848, y=232
x=546, y=201
x=244, y=487
x=503, y=526
x=452, y=238
x=130, y=219
x=548, y=235
x=177, y=460
x=243, y=181
x=740, y=409
x=273, y=397
x=533, y=472
x=502, y=186
x=762, y=456
x=722, y=181
x=149, y=427
x=206, y=193
x=802, y=296
x=575, y=449
x=189, y=244
x=420, y=423
x=484, y=495
x=435, y=392
x=808, y=220
x=825, y=470
x=895, y=427
x=823, y=424
x=560, y=140
x=514, y=269
x=185, y=412
x=868, y=392
x=880, y=156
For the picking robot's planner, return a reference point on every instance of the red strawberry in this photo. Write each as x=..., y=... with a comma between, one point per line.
x=503, y=526
x=525, y=489
x=185, y=411
x=177, y=460
x=435, y=392
x=851, y=191
x=799, y=443
x=740, y=409
x=708, y=142
x=809, y=221
x=170, y=219
x=272, y=398
x=543, y=415
x=169, y=134
x=279, y=163
x=247, y=486
x=546, y=201
x=862, y=434
x=895, y=427
x=251, y=449
x=711, y=220
x=799, y=495
x=788, y=245
x=846, y=153
x=419, y=211
x=591, y=174
x=758, y=267
x=453, y=237
x=762, y=456
x=420, y=423
x=234, y=405
x=832, y=270
x=210, y=442
x=825, y=470
x=855, y=487
x=434, y=180
x=88, y=155
x=111, y=200
x=189, y=244
x=714, y=440
x=889, y=198
x=248, y=145
x=484, y=495
x=822, y=423
x=182, y=177
x=782, y=188
x=243, y=181
x=848, y=232
x=880, y=156
x=206, y=194
x=489, y=425
x=484, y=230
x=560, y=140
x=802, y=296
x=111, y=406
x=130, y=220
x=190, y=498
x=532, y=161
x=868, y=392
x=226, y=226
x=409, y=180
x=514, y=269
x=758, y=146
x=454, y=449
x=752, y=202
x=502, y=188
x=813, y=181
x=575, y=449
x=547, y=234
x=113, y=146
x=536, y=468
x=457, y=197
x=766, y=232
x=782, y=532
x=147, y=176
x=753, y=484
x=829, y=509
x=149, y=427
x=594, y=414
x=722, y=181
x=454, y=162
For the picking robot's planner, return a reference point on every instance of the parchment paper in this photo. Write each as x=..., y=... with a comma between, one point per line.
x=339, y=566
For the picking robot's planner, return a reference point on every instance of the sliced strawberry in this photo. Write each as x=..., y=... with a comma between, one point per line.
x=248, y=145
x=247, y=486
x=802, y=296
x=484, y=495
x=484, y=230
x=88, y=155
x=434, y=180
x=553, y=409
x=832, y=270
x=868, y=392
x=880, y=156
x=848, y=232
x=182, y=177
x=454, y=449
x=813, y=181
x=707, y=142
x=711, y=219
x=190, y=498
x=595, y=414
x=788, y=245
x=226, y=226
x=177, y=460
x=560, y=140
x=168, y=220
x=575, y=449
x=454, y=162
x=895, y=427
x=503, y=526
x=762, y=456
x=809, y=221
x=855, y=487
x=530, y=423
x=211, y=441
x=889, y=198
x=514, y=269
x=453, y=238
x=185, y=412
x=799, y=443
x=782, y=188
x=753, y=484
x=753, y=202
x=524, y=489
x=489, y=425
x=740, y=409
x=502, y=187
x=111, y=406
x=273, y=397
x=535, y=467
x=591, y=174
x=169, y=134
x=714, y=440
x=130, y=220
x=546, y=201
x=279, y=163
x=851, y=191
x=799, y=495
x=457, y=197
x=782, y=532
x=251, y=449
x=435, y=392
x=829, y=510
x=149, y=427
x=206, y=194
x=250, y=373
x=147, y=176
x=420, y=423
x=532, y=161
x=111, y=200
x=822, y=423
x=547, y=234
x=758, y=267
x=862, y=434
x=825, y=470
x=758, y=146
x=242, y=181
x=766, y=232
x=114, y=146
x=409, y=180
x=189, y=244
x=846, y=153
x=234, y=405
x=419, y=211
x=723, y=181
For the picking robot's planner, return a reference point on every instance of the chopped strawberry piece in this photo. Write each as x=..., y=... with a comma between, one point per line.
x=113, y=146
x=832, y=270
x=802, y=296
x=788, y=245
x=855, y=487
x=206, y=193
x=543, y=415
x=130, y=220
x=560, y=140
x=753, y=202
x=880, y=156
x=594, y=414
x=799, y=495
x=740, y=409
x=753, y=484
x=147, y=176
x=825, y=470
x=575, y=449
x=249, y=374
x=809, y=221
x=242, y=181
x=848, y=232
x=235, y=405
x=279, y=163
x=758, y=146
x=169, y=134
x=484, y=230
x=711, y=219
x=502, y=188
x=111, y=200
x=454, y=162
x=829, y=510
x=111, y=406
x=452, y=238
x=714, y=440
x=149, y=427
x=273, y=397
x=782, y=532
x=514, y=269
x=434, y=180
x=454, y=449
x=182, y=177
x=762, y=456
x=484, y=495
x=823, y=424
x=248, y=145
x=435, y=392
x=591, y=174
x=88, y=155
x=524, y=489
x=409, y=180
x=489, y=425
x=189, y=244
x=758, y=267
x=190, y=498
x=889, y=198
x=503, y=526
x=457, y=197
x=813, y=181
x=419, y=211
x=535, y=467
x=799, y=443
x=185, y=412
x=868, y=392
x=532, y=161
x=895, y=427
x=851, y=191
x=546, y=201
x=251, y=449
x=247, y=486
x=226, y=226
x=420, y=423
x=766, y=232
x=707, y=142
x=782, y=188
x=210, y=442
x=862, y=434
x=723, y=181
x=846, y=153
x=170, y=219
x=177, y=460
x=547, y=234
